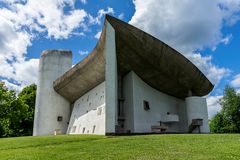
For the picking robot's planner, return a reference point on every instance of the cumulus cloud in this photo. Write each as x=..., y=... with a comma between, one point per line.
x=23, y=21
x=100, y=14
x=188, y=27
x=182, y=24
x=121, y=16
x=213, y=72
x=236, y=81
x=83, y=1
x=46, y=16
x=82, y=53
x=213, y=105
x=97, y=35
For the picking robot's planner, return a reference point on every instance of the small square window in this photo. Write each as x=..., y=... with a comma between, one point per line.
x=146, y=105
x=59, y=118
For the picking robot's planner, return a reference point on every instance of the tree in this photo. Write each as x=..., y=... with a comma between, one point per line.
x=27, y=96
x=228, y=119
x=7, y=99
x=16, y=113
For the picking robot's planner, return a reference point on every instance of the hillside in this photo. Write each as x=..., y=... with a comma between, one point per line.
x=124, y=147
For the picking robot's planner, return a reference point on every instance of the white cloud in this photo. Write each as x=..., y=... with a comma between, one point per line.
x=83, y=1
x=182, y=24
x=46, y=16
x=97, y=35
x=213, y=105
x=23, y=21
x=188, y=27
x=121, y=16
x=226, y=39
x=19, y=74
x=14, y=66
x=213, y=72
x=103, y=12
x=82, y=53
x=230, y=10
x=100, y=14
x=236, y=81
x=12, y=86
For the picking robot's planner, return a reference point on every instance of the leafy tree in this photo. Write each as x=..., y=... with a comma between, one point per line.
x=228, y=119
x=16, y=113
x=27, y=96
x=7, y=99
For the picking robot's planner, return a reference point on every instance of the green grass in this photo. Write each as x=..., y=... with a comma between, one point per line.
x=84, y=147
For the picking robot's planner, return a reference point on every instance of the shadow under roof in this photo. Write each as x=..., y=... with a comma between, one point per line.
x=156, y=63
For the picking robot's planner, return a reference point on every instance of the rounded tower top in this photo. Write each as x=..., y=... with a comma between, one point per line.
x=62, y=52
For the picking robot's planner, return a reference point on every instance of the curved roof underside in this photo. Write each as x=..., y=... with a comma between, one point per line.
x=156, y=63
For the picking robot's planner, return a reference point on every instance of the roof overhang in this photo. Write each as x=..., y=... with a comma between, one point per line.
x=156, y=63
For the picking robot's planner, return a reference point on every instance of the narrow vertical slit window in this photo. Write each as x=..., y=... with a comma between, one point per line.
x=93, y=129
x=146, y=105
x=83, y=130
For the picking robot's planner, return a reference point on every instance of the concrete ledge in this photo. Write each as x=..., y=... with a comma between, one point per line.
x=62, y=52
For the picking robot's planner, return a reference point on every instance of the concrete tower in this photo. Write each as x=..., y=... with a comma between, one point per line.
x=52, y=111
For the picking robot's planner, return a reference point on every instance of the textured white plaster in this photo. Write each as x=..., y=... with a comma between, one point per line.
x=88, y=115
x=49, y=104
x=128, y=103
x=197, y=109
x=111, y=79
x=159, y=103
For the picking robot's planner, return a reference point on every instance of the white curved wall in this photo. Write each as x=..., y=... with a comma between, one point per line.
x=88, y=115
x=111, y=80
x=139, y=120
x=49, y=104
x=197, y=108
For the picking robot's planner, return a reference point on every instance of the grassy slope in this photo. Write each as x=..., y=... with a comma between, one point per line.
x=128, y=147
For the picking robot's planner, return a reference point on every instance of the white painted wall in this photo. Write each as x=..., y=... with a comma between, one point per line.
x=197, y=108
x=89, y=111
x=128, y=103
x=160, y=104
x=49, y=104
x=111, y=79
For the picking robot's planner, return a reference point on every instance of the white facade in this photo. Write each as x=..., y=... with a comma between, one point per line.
x=111, y=79
x=117, y=105
x=139, y=120
x=88, y=114
x=96, y=111
x=197, y=109
x=49, y=104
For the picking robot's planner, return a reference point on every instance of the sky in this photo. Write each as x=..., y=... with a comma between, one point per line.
x=207, y=32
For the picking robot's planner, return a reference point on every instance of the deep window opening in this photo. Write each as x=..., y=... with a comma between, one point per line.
x=146, y=105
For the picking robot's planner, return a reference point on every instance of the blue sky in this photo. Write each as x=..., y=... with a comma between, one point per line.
x=206, y=32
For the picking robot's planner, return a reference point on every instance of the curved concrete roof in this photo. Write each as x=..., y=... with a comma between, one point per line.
x=156, y=63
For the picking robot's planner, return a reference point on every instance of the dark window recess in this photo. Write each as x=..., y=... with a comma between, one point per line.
x=59, y=118
x=83, y=130
x=146, y=105
x=122, y=125
x=93, y=129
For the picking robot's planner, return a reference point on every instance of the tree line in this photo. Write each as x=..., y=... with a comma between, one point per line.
x=227, y=120
x=17, y=111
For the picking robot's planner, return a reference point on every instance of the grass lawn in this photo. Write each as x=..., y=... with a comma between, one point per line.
x=84, y=147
